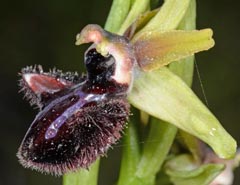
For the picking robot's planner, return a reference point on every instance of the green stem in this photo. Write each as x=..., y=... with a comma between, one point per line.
x=119, y=11
x=138, y=7
x=130, y=154
x=83, y=177
x=172, y=12
x=156, y=148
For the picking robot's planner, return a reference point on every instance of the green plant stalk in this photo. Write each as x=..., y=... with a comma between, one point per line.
x=138, y=7
x=172, y=12
x=156, y=148
x=118, y=13
x=83, y=176
x=130, y=154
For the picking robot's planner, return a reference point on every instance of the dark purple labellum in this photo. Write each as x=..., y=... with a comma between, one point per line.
x=80, y=118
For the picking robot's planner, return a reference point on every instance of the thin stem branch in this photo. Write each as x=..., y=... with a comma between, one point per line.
x=156, y=148
x=83, y=176
x=118, y=13
x=130, y=154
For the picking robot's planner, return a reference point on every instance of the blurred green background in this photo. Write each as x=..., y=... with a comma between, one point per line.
x=43, y=32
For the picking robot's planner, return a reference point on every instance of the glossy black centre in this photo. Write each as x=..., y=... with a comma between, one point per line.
x=100, y=69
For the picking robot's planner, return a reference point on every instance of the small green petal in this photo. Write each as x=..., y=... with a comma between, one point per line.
x=169, y=16
x=139, y=23
x=156, y=49
x=117, y=15
x=139, y=7
x=165, y=96
x=183, y=171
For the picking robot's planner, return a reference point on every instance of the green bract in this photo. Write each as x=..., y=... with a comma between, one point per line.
x=165, y=96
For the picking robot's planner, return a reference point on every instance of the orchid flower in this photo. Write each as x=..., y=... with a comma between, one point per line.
x=162, y=43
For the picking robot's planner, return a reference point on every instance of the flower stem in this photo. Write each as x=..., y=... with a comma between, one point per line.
x=117, y=15
x=83, y=177
x=130, y=154
x=139, y=6
x=155, y=150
